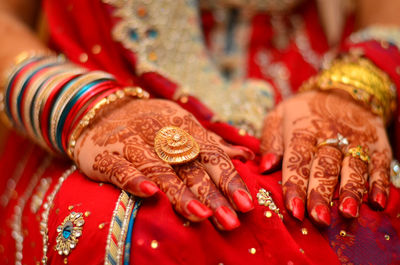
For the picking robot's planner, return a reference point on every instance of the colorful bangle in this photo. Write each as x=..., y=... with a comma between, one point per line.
x=65, y=96
x=94, y=109
x=45, y=116
x=42, y=95
x=83, y=101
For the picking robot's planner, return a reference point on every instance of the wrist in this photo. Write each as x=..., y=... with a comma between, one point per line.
x=362, y=80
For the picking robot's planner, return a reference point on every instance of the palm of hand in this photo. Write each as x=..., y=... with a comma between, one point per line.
x=310, y=172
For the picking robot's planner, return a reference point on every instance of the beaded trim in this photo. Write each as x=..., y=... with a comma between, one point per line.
x=47, y=206
x=128, y=241
x=378, y=33
x=17, y=231
x=17, y=174
x=38, y=197
x=118, y=229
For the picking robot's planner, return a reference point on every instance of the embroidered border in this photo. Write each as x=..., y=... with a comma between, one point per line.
x=128, y=242
x=118, y=229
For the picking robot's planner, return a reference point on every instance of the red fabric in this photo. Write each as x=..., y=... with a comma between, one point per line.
x=76, y=26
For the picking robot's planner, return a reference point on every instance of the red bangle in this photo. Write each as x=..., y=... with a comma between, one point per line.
x=99, y=88
x=94, y=102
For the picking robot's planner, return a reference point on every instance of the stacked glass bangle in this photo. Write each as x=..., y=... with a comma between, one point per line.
x=46, y=97
x=91, y=112
x=364, y=81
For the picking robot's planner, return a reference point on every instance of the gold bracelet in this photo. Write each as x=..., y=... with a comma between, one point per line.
x=134, y=92
x=364, y=81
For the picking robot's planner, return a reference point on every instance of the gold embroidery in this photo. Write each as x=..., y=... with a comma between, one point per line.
x=166, y=37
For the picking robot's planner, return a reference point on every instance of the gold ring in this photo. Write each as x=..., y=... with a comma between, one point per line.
x=339, y=141
x=175, y=146
x=359, y=152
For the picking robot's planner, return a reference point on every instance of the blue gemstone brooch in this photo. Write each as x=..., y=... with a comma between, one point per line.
x=69, y=232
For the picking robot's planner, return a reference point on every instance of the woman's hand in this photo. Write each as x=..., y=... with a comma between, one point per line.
x=119, y=148
x=310, y=172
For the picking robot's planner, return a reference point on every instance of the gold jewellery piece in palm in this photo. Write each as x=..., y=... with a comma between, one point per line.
x=359, y=152
x=175, y=146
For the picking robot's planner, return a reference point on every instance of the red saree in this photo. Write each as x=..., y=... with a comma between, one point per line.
x=119, y=229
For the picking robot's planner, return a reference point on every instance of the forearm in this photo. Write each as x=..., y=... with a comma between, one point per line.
x=372, y=12
x=18, y=38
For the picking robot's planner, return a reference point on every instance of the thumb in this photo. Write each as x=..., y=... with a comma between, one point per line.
x=271, y=146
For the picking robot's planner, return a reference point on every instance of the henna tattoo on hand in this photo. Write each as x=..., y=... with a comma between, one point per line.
x=130, y=130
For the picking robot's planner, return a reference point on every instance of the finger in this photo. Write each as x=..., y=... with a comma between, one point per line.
x=221, y=170
x=233, y=151
x=271, y=140
x=182, y=199
x=325, y=170
x=196, y=178
x=117, y=170
x=296, y=166
x=352, y=185
x=379, y=170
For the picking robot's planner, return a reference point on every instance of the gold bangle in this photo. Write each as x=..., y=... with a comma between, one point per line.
x=364, y=81
x=134, y=92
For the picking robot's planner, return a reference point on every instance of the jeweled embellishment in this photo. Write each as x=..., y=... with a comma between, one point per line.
x=69, y=232
x=264, y=198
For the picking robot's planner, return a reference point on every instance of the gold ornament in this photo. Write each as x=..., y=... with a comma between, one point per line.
x=175, y=146
x=69, y=232
x=363, y=80
x=359, y=152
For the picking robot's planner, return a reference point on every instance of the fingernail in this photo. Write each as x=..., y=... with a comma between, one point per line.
x=226, y=218
x=199, y=209
x=380, y=199
x=242, y=201
x=148, y=188
x=298, y=208
x=323, y=215
x=249, y=154
x=267, y=162
x=349, y=207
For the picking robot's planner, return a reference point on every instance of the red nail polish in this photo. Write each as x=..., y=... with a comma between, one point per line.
x=267, y=162
x=226, y=218
x=380, y=199
x=249, y=154
x=349, y=207
x=242, y=201
x=199, y=209
x=298, y=208
x=323, y=214
x=148, y=188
